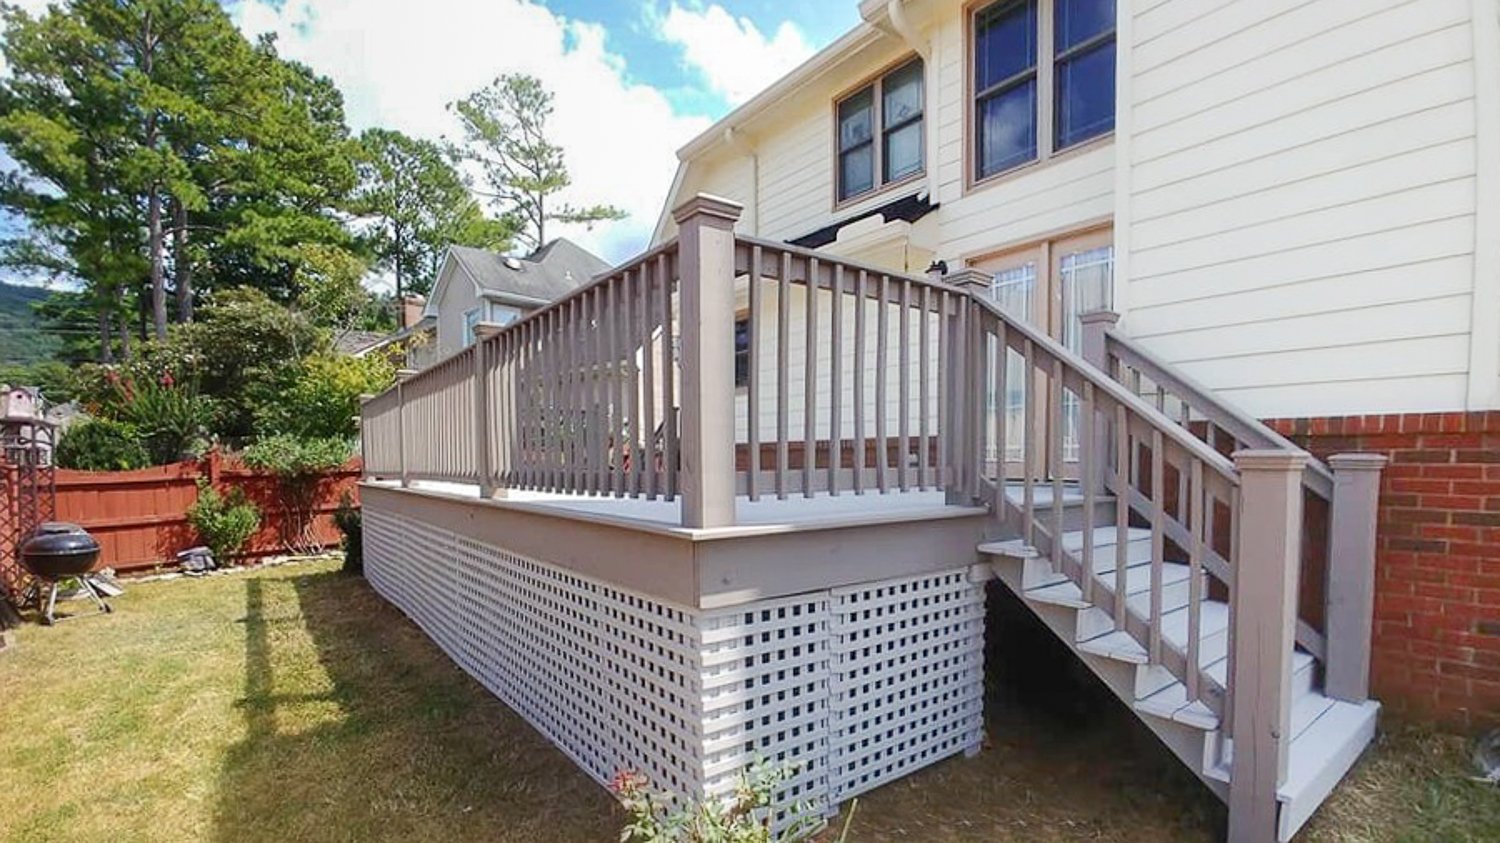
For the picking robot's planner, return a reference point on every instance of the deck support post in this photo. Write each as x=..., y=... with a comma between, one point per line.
x=402, y=376
x=966, y=374
x=1351, y=574
x=1263, y=617
x=1096, y=327
x=705, y=243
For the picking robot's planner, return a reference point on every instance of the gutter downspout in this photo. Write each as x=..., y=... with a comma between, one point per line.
x=901, y=26
x=735, y=139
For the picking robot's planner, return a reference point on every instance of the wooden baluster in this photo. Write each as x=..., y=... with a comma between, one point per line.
x=1002, y=372
x=1088, y=478
x=752, y=394
x=574, y=317
x=859, y=461
x=783, y=361
x=903, y=392
x=1195, y=584
x=944, y=440
x=1029, y=447
x=618, y=366
x=836, y=381
x=1122, y=512
x=669, y=414
x=635, y=344
x=882, y=376
x=924, y=396
x=648, y=377
x=810, y=383
x=1055, y=446
x=1158, y=542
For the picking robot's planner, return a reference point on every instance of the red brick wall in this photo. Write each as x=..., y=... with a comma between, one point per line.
x=1437, y=593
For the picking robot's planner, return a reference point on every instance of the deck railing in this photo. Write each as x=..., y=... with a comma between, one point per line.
x=718, y=366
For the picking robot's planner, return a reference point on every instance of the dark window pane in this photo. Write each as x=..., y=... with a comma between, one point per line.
x=857, y=119
x=903, y=151
x=1086, y=95
x=1080, y=20
x=1004, y=42
x=1007, y=129
x=742, y=352
x=856, y=171
x=903, y=94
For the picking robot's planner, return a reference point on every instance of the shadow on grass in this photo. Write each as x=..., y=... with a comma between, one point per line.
x=358, y=728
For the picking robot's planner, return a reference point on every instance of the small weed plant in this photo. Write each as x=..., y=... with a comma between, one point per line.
x=744, y=816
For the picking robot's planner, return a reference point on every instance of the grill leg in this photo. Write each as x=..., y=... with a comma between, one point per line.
x=48, y=615
x=93, y=593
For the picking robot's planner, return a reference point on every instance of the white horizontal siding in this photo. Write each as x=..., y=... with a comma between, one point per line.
x=1301, y=200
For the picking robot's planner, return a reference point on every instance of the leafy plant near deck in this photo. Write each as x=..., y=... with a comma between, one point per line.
x=300, y=465
x=745, y=816
x=224, y=522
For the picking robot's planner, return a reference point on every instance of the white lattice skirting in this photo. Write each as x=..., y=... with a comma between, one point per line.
x=853, y=686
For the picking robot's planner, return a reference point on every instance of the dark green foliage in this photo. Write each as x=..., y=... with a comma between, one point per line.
x=101, y=445
x=223, y=522
x=22, y=340
x=350, y=522
x=321, y=400
x=300, y=466
x=57, y=381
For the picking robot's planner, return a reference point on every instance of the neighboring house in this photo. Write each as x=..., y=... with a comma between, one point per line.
x=476, y=286
x=741, y=496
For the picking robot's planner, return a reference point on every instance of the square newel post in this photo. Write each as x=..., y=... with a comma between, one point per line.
x=1351, y=574
x=1096, y=327
x=705, y=255
x=1263, y=615
x=482, y=433
x=402, y=376
x=966, y=388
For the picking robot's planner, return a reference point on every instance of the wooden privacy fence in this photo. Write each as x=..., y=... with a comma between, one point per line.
x=140, y=517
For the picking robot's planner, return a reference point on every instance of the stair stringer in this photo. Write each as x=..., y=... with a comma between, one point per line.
x=1196, y=748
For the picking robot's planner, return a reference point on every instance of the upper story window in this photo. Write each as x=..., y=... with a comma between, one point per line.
x=880, y=134
x=471, y=321
x=1043, y=79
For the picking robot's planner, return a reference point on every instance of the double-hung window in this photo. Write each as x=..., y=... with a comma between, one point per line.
x=880, y=132
x=1043, y=79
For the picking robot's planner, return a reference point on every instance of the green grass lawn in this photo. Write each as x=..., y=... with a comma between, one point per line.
x=294, y=704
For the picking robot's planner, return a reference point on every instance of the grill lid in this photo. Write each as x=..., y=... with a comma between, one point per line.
x=59, y=539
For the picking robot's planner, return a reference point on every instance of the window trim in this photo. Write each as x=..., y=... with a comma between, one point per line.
x=875, y=84
x=1046, y=117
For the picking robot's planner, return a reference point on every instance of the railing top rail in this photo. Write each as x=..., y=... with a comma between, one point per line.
x=830, y=259
x=1117, y=392
x=1239, y=424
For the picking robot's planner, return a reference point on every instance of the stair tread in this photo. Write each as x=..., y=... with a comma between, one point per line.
x=1014, y=548
x=1065, y=593
x=1104, y=536
x=1119, y=645
x=1041, y=493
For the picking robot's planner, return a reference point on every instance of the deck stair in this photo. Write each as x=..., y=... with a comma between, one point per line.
x=1327, y=735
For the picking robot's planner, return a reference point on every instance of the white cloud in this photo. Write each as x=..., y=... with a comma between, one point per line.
x=731, y=53
x=399, y=64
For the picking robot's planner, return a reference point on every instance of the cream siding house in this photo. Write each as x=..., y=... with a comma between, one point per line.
x=1299, y=212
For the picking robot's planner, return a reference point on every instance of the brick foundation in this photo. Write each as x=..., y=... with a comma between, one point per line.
x=1437, y=593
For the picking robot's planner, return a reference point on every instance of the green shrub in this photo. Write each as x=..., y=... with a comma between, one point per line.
x=742, y=817
x=351, y=524
x=102, y=445
x=321, y=401
x=223, y=522
x=300, y=467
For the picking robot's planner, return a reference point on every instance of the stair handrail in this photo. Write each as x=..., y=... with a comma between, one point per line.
x=1114, y=389
x=1245, y=428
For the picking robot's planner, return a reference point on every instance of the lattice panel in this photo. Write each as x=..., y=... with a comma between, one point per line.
x=765, y=694
x=907, y=677
x=852, y=687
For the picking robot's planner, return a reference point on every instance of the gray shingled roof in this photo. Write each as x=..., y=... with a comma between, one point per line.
x=547, y=274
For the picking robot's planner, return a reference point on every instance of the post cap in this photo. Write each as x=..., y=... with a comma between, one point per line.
x=1357, y=462
x=970, y=277
x=708, y=205
x=1270, y=459
x=1108, y=317
x=485, y=330
x=405, y=374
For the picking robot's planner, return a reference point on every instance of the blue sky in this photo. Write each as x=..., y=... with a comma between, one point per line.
x=633, y=79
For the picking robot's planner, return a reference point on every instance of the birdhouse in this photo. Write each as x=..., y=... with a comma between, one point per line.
x=19, y=403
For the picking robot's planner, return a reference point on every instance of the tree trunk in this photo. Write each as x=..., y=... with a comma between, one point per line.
x=182, y=263
x=400, y=303
x=124, y=334
x=106, y=349
x=155, y=244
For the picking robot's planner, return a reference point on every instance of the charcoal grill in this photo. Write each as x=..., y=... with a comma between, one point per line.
x=56, y=553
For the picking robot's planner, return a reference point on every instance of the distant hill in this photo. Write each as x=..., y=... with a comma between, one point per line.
x=22, y=339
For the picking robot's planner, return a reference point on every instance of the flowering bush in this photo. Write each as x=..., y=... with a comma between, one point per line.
x=744, y=816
